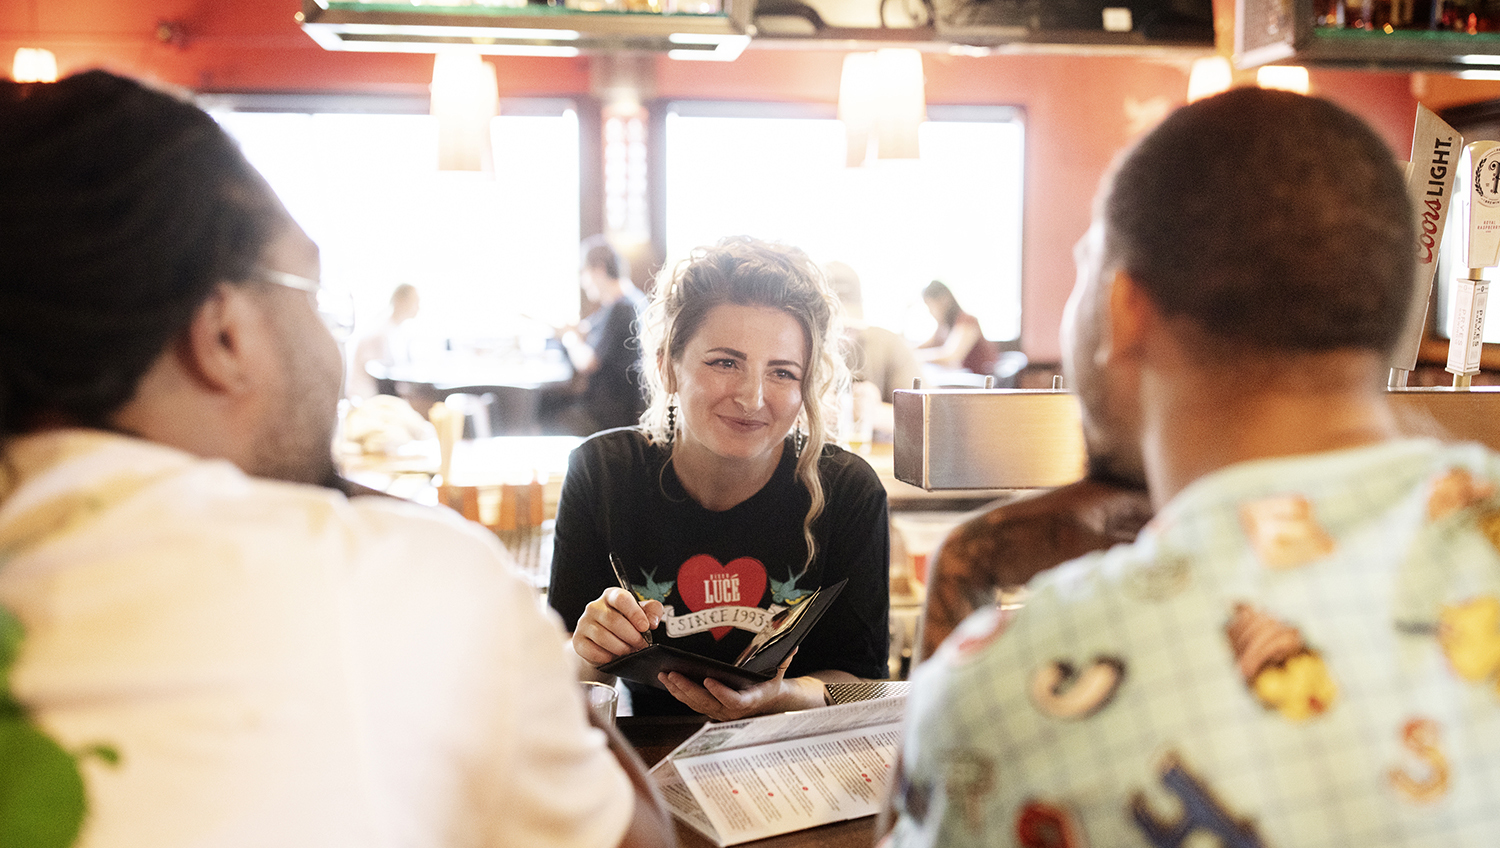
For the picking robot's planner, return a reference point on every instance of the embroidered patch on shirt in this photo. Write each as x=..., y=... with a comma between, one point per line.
x=1061, y=691
x=1159, y=580
x=1489, y=525
x=1042, y=825
x=969, y=780
x=1201, y=812
x=1470, y=635
x=975, y=632
x=1277, y=665
x=1283, y=532
x=913, y=797
x=1419, y=736
x=1455, y=491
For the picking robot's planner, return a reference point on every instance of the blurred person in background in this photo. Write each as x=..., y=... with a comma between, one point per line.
x=958, y=341
x=386, y=345
x=603, y=348
x=236, y=652
x=879, y=360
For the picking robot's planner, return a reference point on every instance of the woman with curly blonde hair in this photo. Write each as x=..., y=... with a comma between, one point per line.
x=730, y=501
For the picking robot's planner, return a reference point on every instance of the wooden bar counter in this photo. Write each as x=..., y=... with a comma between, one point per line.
x=653, y=737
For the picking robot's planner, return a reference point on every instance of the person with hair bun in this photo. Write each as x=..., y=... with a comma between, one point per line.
x=203, y=641
x=958, y=341
x=730, y=493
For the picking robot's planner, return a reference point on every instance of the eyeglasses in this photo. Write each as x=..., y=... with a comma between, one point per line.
x=335, y=306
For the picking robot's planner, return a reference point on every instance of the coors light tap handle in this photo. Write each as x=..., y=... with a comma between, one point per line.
x=1435, y=150
x=1481, y=164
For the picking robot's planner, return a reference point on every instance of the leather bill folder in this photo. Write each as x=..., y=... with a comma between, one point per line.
x=756, y=664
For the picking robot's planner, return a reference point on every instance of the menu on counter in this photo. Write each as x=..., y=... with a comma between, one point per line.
x=755, y=778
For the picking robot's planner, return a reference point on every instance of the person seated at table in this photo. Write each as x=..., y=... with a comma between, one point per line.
x=603, y=348
x=1302, y=647
x=879, y=360
x=958, y=341
x=387, y=344
x=730, y=493
x=235, y=654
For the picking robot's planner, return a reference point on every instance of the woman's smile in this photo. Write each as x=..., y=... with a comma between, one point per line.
x=739, y=384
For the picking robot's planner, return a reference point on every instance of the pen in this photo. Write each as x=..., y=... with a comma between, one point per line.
x=614, y=562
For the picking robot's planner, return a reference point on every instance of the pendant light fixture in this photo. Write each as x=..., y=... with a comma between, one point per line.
x=882, y=104
x=465, y=97
x=33, y=64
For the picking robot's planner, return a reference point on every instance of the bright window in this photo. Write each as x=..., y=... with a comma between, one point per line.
x=954, y=215
x=484, y=251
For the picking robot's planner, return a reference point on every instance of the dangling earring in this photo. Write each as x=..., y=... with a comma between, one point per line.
x=671, y=423
x=799, y=440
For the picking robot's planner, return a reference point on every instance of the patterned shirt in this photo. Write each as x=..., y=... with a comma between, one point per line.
x=1295, y=652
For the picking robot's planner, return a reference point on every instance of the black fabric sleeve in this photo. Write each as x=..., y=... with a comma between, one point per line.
x=614, y=390
x=616, y=352
x=580, y=548
x=854, y=635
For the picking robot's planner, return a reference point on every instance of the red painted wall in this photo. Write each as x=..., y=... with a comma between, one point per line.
x=1080, y=110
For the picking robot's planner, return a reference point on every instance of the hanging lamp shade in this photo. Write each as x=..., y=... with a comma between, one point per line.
x=882, y=103
x=1285, y=77
x=1210, y=75
x=465, y=97
x=857, y=92
x=33, y=64
x=902, y=103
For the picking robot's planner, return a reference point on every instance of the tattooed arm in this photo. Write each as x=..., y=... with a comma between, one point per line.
x=1011, y=543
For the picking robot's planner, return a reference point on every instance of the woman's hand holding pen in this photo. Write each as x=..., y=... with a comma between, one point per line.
x=612, y=626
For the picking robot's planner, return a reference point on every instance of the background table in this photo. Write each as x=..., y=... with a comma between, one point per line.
x=517, y=386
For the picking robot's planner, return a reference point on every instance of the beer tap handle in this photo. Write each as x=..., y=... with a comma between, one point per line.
x=1435, y=151
x=1470, y=295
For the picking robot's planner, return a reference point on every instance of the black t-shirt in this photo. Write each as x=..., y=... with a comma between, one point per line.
x=716, y=570
x=613, y=395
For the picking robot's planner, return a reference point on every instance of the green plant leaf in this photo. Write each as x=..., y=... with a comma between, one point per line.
x=11, y=635
x=41, y=790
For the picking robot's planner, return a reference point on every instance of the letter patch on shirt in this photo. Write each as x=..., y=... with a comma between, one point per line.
x=1201, y=811
x=1420, y=737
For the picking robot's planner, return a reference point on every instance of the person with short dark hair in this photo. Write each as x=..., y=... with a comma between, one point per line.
x=604, y=349
x=729, y=503
x=1302, y=647
x=265, y=660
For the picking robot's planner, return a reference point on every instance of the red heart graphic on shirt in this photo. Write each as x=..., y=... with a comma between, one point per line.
x=703, y=582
